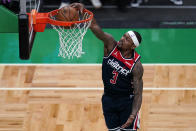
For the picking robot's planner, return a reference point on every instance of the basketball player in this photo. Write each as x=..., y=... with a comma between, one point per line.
x=122, y=74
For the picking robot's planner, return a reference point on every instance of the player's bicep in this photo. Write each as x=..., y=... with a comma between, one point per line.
x=107, y=39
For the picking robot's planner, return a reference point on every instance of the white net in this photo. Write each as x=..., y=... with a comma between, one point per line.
x=71, y=38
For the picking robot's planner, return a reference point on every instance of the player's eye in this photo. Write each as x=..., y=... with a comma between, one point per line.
x=127, y=39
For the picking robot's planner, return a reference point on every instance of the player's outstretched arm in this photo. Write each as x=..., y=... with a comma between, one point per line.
x=138, y=90
x=107, y=39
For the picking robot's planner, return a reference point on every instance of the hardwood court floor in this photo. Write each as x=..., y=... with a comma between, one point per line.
x=81, y=111
x=90, y=76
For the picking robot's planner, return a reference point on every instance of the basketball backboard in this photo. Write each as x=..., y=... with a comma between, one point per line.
x=26, y=32
x=71, y=33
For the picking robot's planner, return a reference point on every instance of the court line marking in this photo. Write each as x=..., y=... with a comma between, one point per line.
x=93, y=88
x=91, y=64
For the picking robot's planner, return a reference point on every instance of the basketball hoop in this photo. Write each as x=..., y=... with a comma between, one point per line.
x=71, y=34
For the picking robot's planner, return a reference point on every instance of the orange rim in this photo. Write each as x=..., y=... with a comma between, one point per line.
x=44, y=18
x=62, y=23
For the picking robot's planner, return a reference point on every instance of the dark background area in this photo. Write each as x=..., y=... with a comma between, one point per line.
x=153, y=14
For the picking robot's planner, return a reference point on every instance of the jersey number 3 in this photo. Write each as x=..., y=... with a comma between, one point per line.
x=115, y=75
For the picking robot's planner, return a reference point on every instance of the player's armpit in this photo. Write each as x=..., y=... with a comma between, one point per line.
x=138, y=87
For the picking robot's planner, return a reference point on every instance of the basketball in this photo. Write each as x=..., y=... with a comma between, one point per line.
x=67, y=13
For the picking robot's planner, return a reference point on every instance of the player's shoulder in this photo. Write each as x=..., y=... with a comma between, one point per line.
x=109, y=47
x=138, y=69
x=138, y=64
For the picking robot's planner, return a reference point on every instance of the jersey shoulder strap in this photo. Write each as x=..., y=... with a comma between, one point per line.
x=128, y=62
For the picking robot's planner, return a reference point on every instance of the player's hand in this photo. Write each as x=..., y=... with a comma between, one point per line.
x=78, y=6
x=128, y=122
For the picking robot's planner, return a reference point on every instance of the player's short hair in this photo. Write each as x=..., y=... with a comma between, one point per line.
x=138, y=36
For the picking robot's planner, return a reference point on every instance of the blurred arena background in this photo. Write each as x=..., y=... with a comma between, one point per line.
x=161, y=23
x=49, y=93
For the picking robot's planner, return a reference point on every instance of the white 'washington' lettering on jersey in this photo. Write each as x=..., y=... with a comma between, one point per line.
x=120, y=69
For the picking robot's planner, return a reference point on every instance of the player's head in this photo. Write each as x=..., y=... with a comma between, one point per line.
x=130, y=40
